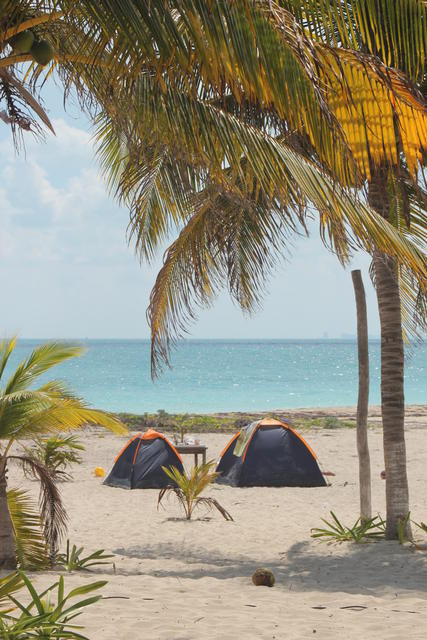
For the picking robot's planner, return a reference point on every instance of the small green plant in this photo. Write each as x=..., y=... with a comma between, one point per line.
x=179, y=435
x=57, y=453
x=71, y=560
x=362, y=531
x=421, y=525
x=187, y=489
x=402, y=523
x=48, y=615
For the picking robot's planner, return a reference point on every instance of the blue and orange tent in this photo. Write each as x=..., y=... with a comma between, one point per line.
x=269, y=453
x=139, y=464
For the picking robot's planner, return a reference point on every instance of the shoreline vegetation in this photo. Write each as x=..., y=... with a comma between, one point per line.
x=231, y=421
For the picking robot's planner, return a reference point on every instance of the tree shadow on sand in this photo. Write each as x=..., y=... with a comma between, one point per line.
x=358, y=569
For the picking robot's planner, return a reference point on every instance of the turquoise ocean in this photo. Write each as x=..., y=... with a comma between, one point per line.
x=228, y=375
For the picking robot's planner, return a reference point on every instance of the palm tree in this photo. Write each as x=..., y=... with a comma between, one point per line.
x=236, y=193
x=26, y=412
x=377, y=28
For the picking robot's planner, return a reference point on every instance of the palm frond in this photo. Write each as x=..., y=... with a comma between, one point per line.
x=27, y=98
x=29, y=415
x=235, y=241
x=8, y=585
x=281, y=172
x=211, y=503
x=381, y=114
x=60, y=414
x=40, y=360
x=393, y=30
x=6, y=349
x=52, y=512
x=30, y=543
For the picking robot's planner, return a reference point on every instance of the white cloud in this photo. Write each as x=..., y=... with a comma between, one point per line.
x=61, y=213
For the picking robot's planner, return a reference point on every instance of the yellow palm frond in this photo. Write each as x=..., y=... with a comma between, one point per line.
x=380, y=114
x=26, y=412
x=30, y=544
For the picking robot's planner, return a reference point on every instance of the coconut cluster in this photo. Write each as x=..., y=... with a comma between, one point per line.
x=26, y=42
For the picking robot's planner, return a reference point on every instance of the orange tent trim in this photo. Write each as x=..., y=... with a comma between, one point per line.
x=227, y=446
x=126, y=446
x=136, y=451
x=151, y=434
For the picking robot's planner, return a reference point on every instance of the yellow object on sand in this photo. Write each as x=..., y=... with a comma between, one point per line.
x=99, y=472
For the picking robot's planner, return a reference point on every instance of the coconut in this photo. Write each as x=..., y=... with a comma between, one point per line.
x=42, y=52
x=22, y=42
x=263, y=577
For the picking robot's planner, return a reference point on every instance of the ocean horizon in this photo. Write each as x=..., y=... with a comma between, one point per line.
x=216, y=375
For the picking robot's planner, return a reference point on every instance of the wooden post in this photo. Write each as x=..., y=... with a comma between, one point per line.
x=363, y=398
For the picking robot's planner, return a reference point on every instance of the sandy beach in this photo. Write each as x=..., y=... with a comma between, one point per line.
x=179, y=580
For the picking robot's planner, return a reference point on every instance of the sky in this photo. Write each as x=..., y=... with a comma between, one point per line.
x=67, y=271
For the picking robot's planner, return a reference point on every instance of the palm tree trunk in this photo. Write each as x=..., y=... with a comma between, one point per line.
x=363, y=398
x=392, y=370
x=7, y=538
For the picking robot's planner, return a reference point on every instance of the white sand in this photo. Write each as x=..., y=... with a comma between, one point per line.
x=180, y=580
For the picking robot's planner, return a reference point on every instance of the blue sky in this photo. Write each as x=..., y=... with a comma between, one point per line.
x=67, y=272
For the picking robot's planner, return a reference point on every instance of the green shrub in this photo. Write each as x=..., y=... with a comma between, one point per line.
x=187, y=489
x=57, y=453
x=362, y=531
x=71, y=560
x=421, y=525
x=48, y=615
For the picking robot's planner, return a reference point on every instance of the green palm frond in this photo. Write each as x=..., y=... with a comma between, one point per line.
x=52, y=512
x=30, y=418
x=6, y=349
x=269, y=103
x=394, y=30
x=281, y=172
x=30, y=543
x=42, y=414
x=8, y=585
x=230, y=48
x=27, y=413
x=40, y=360
x=47, y=614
